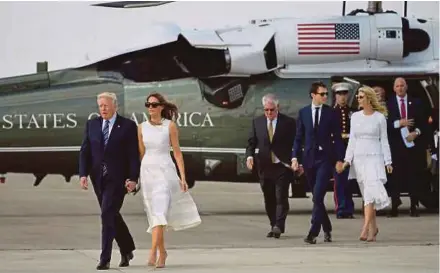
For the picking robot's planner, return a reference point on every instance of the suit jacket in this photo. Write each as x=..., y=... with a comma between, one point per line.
x=282, y=141
x=329, y=136
x=121, y=153
x=414, y=111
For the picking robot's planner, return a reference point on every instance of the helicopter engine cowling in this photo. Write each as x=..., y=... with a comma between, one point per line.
x=249, y=50
x=377, y=37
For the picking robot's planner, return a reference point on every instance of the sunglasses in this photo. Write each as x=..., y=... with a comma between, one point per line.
x=342, y=92
x=322, y=94
x=360, y=97
x=269, y=109
x=152, y=104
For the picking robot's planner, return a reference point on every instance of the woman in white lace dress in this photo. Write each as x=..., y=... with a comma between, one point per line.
x=166, y=199
x=369, y=155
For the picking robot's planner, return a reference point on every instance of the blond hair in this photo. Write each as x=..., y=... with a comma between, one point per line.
x=371, y=97
x=109, y=95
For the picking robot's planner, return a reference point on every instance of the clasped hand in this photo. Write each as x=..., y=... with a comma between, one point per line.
x=130, y=185
x=340, y=167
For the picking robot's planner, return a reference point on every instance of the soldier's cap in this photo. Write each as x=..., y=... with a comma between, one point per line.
x=341, y=87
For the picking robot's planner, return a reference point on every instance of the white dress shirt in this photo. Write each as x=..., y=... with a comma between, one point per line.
x=313, y=113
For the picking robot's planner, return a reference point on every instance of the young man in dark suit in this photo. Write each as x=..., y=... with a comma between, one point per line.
x=318, y=126
x=273, y=134
x=408, y=135
x=110, y=156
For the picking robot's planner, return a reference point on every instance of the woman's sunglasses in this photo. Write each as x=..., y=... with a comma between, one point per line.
x=152, y=104
x=359, y=97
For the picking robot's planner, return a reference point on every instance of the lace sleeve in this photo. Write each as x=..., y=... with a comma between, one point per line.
x=384, y=140
x=349, y=153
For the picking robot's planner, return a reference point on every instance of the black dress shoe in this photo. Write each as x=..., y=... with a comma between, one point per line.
x=276, y=232
x=394, y=213
x=327, y=237
x=310, y=239
x=348, y=216
x=103, y=265
x=269, y=234
x=125, y=259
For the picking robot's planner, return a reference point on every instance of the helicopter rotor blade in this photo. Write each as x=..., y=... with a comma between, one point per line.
x=132, y=4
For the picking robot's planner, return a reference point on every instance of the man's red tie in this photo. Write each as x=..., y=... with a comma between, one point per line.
x=402, y=108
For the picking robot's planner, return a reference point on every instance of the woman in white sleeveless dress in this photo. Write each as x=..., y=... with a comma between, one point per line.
x=166, y=199
x=368, y=153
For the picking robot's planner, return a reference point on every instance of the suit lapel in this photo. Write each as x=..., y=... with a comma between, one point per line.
x=310, y=116
x=265, y=127
x=98, y=131
x=277, y=128
x=409, y=108
x=322, y=117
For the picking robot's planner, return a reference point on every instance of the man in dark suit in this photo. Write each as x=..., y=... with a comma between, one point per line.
x=110, y=156
x=342, y=190
x=407, y=134
x=273, y=135
x=316, y=124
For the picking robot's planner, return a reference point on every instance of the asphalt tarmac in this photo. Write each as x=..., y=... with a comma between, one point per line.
x=55, y=227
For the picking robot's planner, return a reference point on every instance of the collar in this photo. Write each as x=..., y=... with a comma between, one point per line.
x=314, y=106
x=405, y=98
x=274, y=120
x=112, y=119
x=341, y=107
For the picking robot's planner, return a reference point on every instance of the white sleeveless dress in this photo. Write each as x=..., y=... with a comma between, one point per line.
x=368, y=152
x=164, y=201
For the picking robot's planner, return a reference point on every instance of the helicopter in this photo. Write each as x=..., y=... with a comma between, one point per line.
x=217, y=78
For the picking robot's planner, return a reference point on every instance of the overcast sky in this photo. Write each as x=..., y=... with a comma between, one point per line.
x=62, y=33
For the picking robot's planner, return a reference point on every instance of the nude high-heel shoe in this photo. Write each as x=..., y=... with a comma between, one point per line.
x=162, y=259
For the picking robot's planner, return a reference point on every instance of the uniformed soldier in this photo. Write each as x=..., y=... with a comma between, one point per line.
x=343, y=198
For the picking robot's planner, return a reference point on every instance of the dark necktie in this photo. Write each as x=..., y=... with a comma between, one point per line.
x=315, y=127
x=270, y=129
x=402, y=109
x=105, y=133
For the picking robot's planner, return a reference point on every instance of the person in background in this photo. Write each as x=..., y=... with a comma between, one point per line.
x=368, y=154
x=318, y=128
x=380, y=94
x=273, y=134
x=342, y=192
x=408, y=134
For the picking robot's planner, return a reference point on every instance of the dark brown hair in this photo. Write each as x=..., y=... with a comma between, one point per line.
x=169, y=109
x=315, y=86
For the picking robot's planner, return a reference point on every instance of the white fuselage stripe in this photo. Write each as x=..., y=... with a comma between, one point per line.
x=77, y=148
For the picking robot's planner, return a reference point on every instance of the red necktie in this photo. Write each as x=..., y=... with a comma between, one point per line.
x=402, y=108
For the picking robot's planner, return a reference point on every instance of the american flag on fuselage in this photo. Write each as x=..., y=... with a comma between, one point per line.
x=328, y=39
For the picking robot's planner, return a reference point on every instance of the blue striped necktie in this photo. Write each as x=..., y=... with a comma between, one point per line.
x=105, y=133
